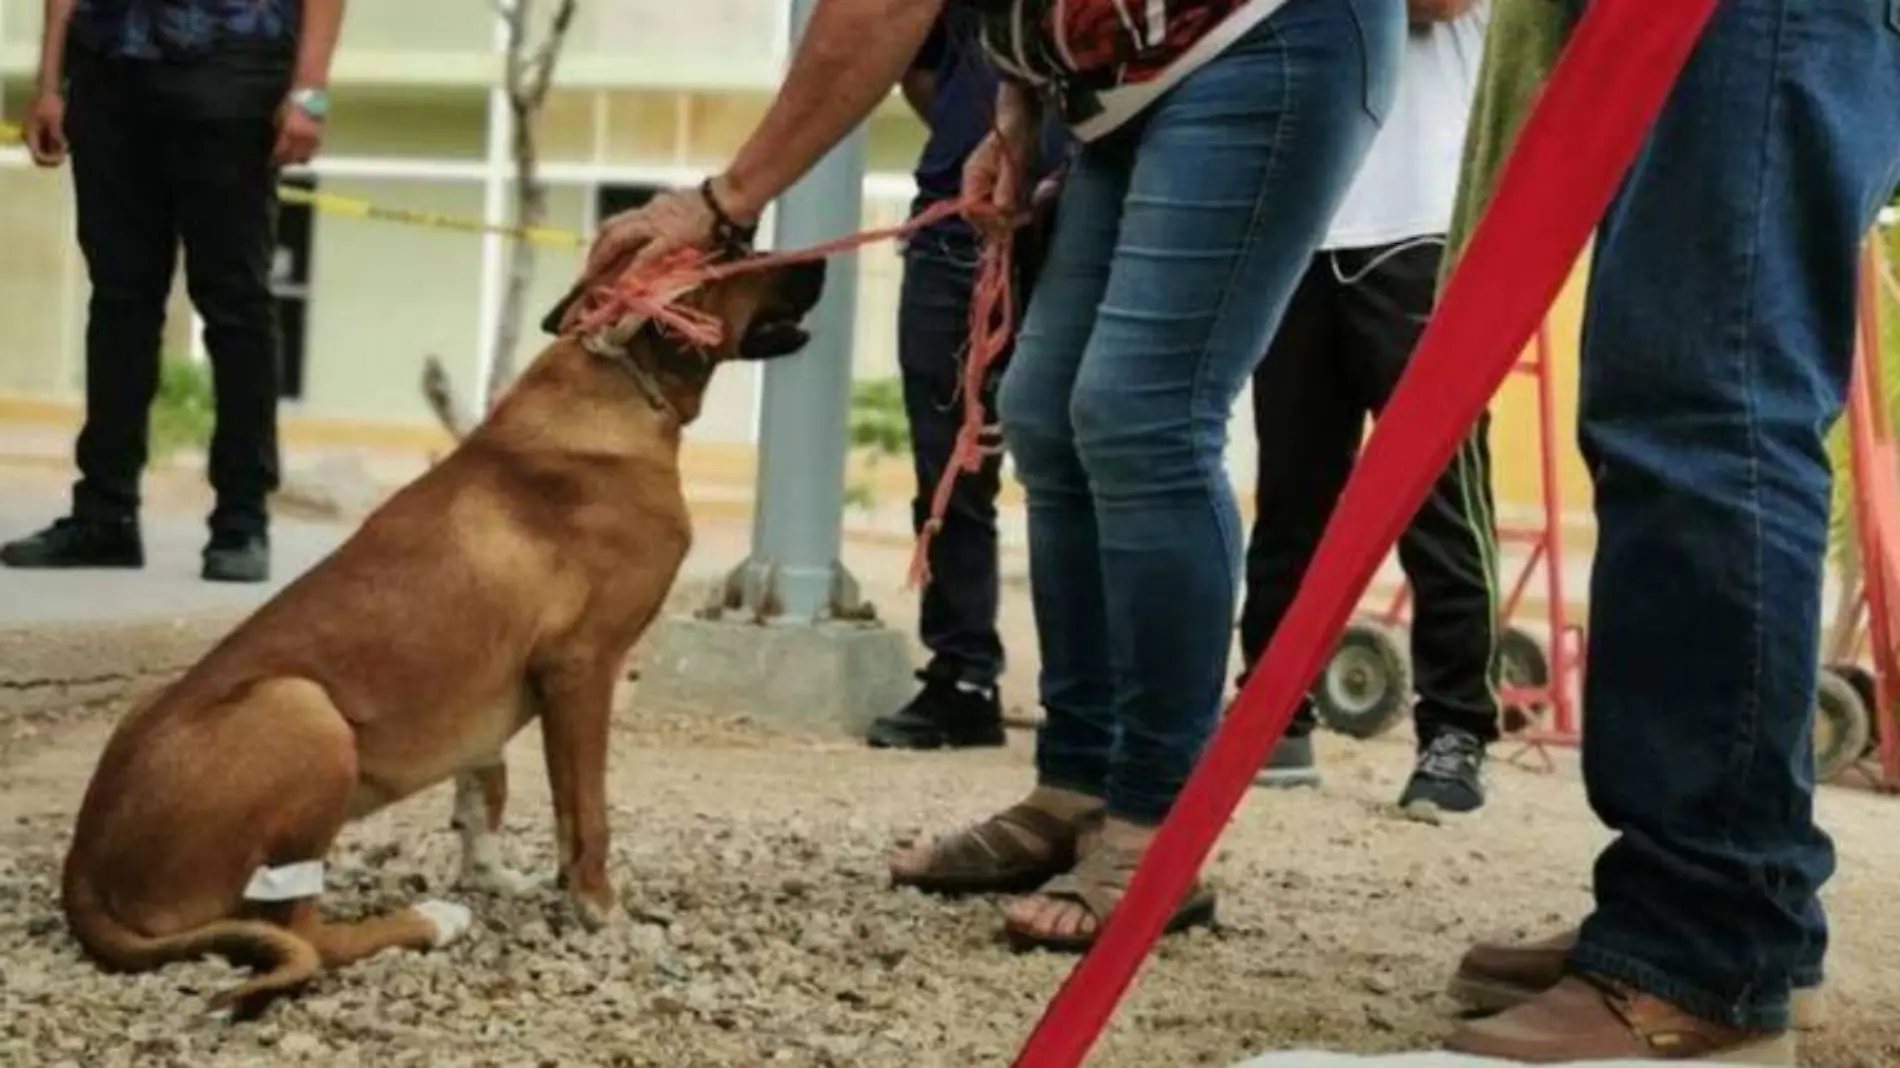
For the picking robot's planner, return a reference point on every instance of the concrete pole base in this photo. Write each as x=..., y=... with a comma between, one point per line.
x=829, y=678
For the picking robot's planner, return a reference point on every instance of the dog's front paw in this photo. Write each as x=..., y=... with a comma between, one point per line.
x=498, y=879
x=595, y=910
x=451, y=921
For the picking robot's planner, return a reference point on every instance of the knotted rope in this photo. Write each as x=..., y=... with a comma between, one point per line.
x=652, y=292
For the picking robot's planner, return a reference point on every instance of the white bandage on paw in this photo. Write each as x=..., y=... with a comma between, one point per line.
x=451, y=921
x=291, y=882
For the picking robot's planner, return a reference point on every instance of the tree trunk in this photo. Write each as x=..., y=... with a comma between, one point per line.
x=528, y=75
x=531, y=207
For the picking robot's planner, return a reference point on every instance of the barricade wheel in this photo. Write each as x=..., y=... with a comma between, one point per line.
x=1863, y=682
x=1367, y=686
x=1843, y=728
x=1522, y=664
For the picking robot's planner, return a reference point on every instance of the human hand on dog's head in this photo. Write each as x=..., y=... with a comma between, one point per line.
x=763, y=310
x=671, y=221
x=705, y=219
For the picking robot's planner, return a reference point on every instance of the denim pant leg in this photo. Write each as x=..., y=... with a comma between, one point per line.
x=1716, y=356
x=957, y=613
x=1065, y=570
x=1232, y=178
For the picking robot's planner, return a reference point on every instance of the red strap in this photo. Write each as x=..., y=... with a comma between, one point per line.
x=1592, y=118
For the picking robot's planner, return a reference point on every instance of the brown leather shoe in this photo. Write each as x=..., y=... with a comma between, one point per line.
x=1583, y=1019
x=1495, y=976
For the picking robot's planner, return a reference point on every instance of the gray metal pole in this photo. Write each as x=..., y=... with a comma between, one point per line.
x=794, y=574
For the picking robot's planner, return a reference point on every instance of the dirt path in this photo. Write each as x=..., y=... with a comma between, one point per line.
x=760, y=932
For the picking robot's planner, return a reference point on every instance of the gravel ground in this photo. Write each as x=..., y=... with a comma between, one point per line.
x=759, y=930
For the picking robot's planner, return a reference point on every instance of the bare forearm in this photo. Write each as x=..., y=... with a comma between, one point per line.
x=1424, y=12
x=1016, y=107
x=59, y=16
x=316, y=41
x=852, y=53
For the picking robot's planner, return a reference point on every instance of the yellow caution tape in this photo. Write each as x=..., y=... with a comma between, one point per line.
x=331, y=204
x=350, y=207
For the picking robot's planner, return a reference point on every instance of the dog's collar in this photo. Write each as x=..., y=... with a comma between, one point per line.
x=648, y=379
x=643, y=379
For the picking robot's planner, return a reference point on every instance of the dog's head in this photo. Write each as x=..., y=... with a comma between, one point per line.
x=762, y=314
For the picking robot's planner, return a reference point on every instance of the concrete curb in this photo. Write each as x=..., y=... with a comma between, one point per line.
x=51, y=675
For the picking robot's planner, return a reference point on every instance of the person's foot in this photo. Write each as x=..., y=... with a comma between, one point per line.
x=1012, y=852
x=1066, y=919
x=1068, y=911
x=1497, y=975
x=1290, y=764
x=78, y=543
x=1448, y=776
x=1585, y=1018
x=230, y=557
x=943, y=715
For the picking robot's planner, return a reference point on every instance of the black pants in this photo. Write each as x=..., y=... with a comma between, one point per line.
x=164, y=153
x=957, y=619
x=1345, y=340
x=958, y=615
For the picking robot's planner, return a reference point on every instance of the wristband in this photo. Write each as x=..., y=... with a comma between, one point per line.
x=733, y=240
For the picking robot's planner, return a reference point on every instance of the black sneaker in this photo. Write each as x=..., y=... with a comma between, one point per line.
x=74, y=543
x=1448, y=776
x=1290, y=764
x=943, y=715
x=237, y=558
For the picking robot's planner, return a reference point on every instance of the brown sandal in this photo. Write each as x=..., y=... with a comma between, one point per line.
x=1098, y=884
x=1012, y=852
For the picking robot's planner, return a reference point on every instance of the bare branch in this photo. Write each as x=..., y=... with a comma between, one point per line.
x=529, y=77
x=510, y=12
x=514, y=69
x=548, y=55
x=527, y=74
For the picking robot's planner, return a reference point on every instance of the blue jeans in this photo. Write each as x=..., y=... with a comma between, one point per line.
x=1178, y=242
x=1716, y=356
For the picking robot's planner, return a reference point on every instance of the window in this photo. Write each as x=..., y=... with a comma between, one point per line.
x=612, y=198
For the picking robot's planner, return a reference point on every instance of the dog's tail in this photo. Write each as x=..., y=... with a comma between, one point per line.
x=284, y=960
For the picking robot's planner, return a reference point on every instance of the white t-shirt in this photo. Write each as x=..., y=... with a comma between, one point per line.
x=1409, y=179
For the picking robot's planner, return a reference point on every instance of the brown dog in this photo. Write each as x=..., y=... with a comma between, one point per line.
x=508, y=583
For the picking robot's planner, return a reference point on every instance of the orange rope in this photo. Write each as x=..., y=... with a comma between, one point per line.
x=653, y=291
x=992, y=325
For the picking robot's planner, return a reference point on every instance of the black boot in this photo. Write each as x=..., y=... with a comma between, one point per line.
x=76, y=543
x=943, y=715
x=237, y=558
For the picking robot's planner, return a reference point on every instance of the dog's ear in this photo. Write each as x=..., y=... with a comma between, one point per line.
x=554, y=323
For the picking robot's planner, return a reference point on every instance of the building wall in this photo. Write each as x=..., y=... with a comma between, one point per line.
x=383, y=296
x=412, y=86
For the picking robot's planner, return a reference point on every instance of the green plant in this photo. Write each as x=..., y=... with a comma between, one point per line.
x=182, y=411
x=880, y=429
x=879, y=424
